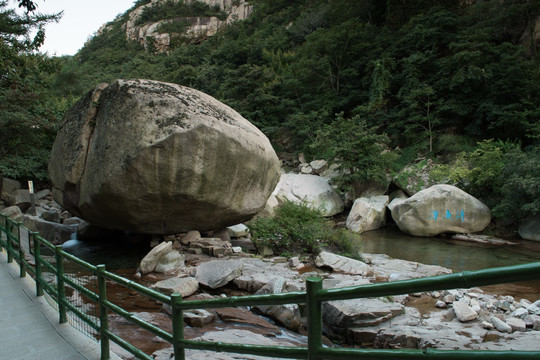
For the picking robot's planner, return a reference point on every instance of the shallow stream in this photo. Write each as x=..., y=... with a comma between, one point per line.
x=458, y=255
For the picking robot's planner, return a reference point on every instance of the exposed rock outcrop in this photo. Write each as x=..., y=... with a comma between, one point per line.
x=150, y=36
x=152, y=157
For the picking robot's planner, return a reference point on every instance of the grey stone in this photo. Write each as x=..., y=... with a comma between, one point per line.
x=150, y=261
x=530, y=228
x=311, y=190
x=441, y=209
x=359, y=312
x=218, y=273
x=185, y=286
x=188, y=153
x=367, y=214
x=239, y=230
x=500, y=325
x=516, y=324
x=169, y=262
x=464, y=312
x=319, y=166
x=199, y=317
x=343, y=264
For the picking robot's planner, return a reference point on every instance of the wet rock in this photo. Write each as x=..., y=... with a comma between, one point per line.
x=287, y=315
x=55, y=233
x=343, y=264
x=241, y=316
x=150, y=261
x=185, y=286
x=218, y=273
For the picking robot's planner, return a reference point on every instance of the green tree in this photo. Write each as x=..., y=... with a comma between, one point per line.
x=358, y=150
x=28, y=113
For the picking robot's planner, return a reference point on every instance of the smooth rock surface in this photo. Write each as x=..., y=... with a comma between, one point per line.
x=218, y=273
x=150, y=261
x=185, y=286
x=530, y=228
x=343, y=264
x=311, y=190
x=464, y=312
x=151, y=157
x=367, y=214
x=441, y=209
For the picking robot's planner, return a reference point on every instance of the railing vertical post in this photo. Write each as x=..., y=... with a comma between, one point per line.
x=22, y=266
x=9, y=244
x=314, y=315
x=3, y=221
x=60, y=284
x=103, y=316
x=178, y=326
x=37, y=254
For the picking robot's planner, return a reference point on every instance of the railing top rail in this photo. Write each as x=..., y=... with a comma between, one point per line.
x=462, y=280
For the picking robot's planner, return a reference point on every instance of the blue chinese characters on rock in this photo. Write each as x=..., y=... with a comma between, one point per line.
x=448, y=215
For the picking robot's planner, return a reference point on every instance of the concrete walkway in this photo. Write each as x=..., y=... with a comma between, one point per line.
x=29, y=327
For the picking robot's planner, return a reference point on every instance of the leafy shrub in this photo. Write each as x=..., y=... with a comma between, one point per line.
x=299, y=229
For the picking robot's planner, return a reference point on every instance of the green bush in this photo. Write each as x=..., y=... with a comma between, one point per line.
x=298, y=229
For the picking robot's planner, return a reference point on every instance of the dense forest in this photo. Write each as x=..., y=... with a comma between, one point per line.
x=375, y=84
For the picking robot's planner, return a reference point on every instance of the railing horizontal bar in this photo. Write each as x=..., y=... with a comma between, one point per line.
x=132, y=349
x=51, y=290
x=88, y=293
x=80, y=262
x=251, y=300
x=133, y=318
x=45, y=242
x=410, y=354
x=260, y=350
x=156, y=295
x=465, y=279
x=48, y=265
x=81, y=315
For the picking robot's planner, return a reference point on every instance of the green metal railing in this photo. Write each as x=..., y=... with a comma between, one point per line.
x=313, y=297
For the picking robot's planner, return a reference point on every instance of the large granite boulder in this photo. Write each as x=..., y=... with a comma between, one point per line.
x=441, y=209
x=151, y=157
x=311, y=190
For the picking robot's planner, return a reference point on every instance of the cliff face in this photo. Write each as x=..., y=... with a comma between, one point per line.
x=150, y=37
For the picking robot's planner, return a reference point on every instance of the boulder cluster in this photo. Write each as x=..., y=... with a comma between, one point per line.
x=46, y=217
x=451, y=319
x=418, y=208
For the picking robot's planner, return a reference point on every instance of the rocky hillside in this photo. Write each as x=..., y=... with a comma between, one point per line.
x=154, y=28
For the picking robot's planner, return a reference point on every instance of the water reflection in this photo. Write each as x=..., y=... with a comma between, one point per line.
x=453, y=254
x=458, y=256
